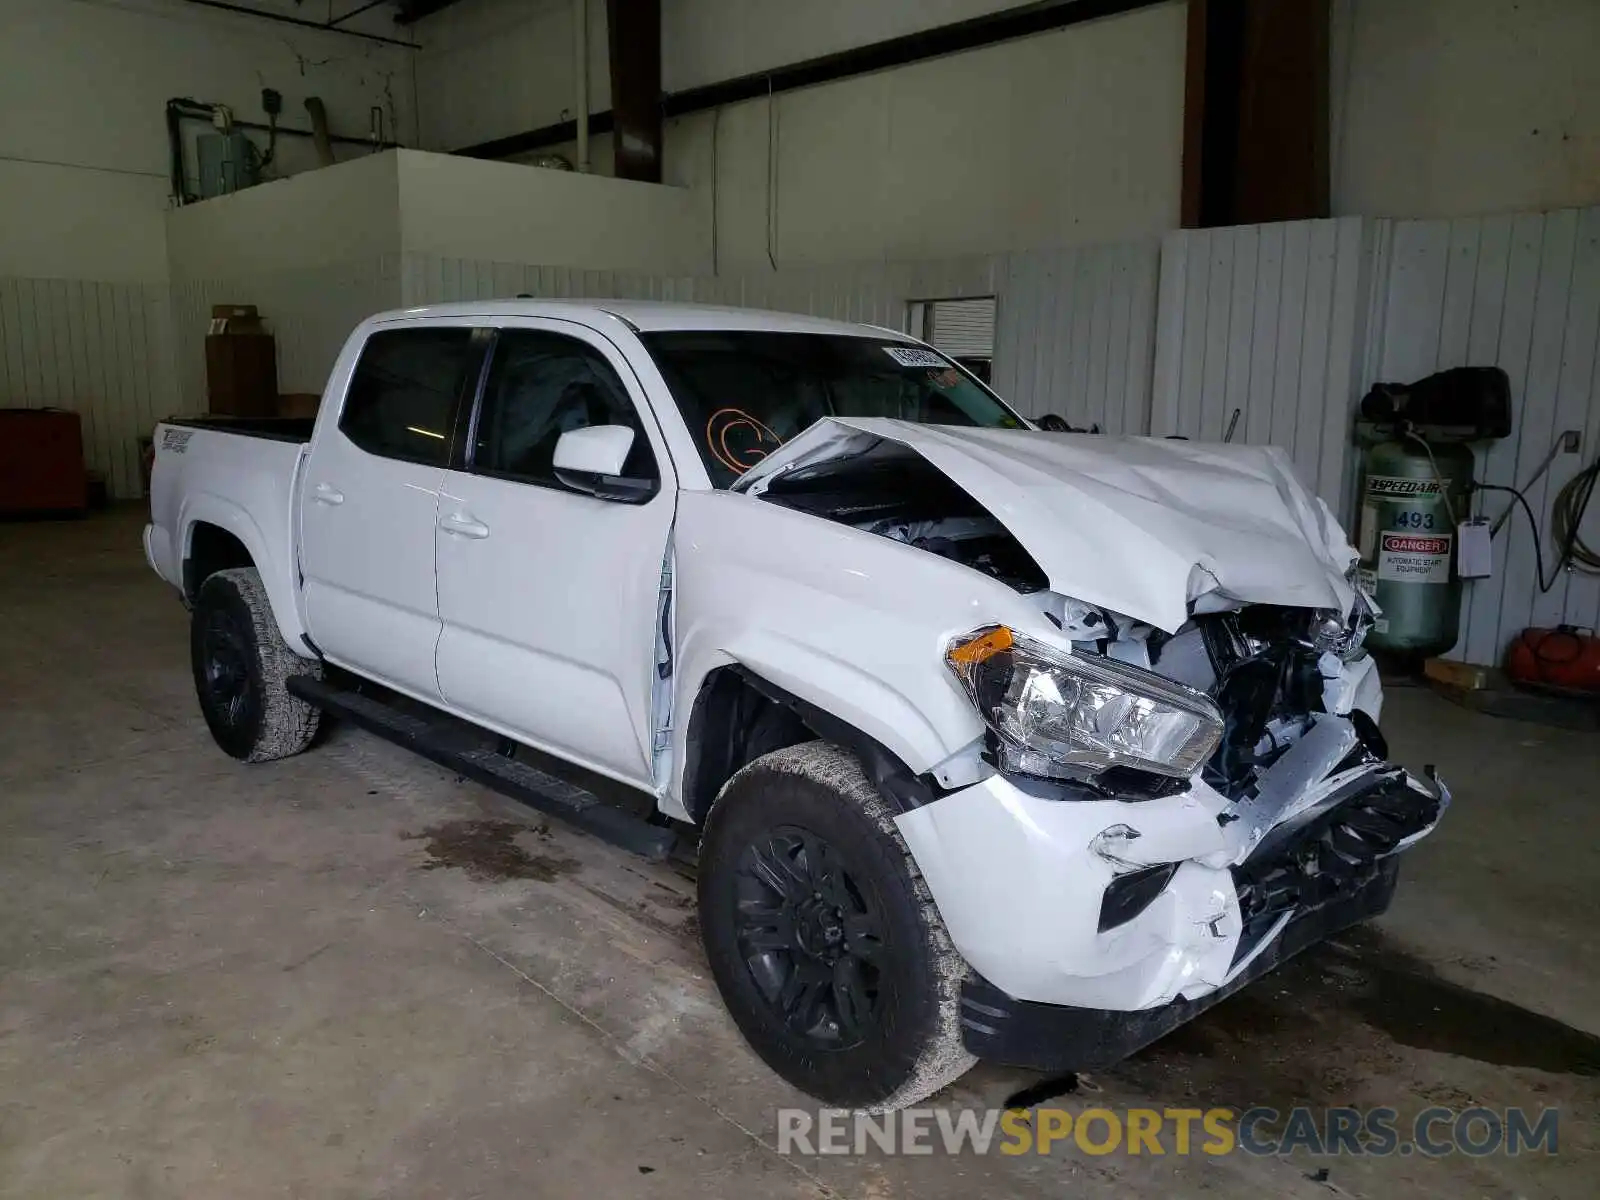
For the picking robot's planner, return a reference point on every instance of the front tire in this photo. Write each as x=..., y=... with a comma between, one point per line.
x=241, y=666
x=822, y=936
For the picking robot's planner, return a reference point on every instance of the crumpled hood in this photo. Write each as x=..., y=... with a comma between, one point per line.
x=1145, y=527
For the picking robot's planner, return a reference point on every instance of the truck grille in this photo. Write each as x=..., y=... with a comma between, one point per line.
x=1301, y=868
x=1266, y=684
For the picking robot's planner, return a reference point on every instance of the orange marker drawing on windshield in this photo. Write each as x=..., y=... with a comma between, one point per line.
x=738, y=441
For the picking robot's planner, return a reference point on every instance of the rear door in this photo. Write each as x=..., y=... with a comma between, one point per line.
x=369, y=501
x=548, y=594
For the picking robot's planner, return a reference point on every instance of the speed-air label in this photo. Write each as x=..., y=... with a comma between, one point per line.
x=1399, y=487
x=1410, y=558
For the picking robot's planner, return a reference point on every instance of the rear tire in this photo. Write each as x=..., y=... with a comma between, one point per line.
x=241, y=666
x=822, y=935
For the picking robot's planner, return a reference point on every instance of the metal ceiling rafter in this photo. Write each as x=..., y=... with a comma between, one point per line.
x=354, y=12
x=301, y=22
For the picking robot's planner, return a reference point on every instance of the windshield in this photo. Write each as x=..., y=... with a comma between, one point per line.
x=745, y=393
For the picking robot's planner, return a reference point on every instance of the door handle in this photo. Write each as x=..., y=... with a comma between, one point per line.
x=326, y=493
x=462, y=525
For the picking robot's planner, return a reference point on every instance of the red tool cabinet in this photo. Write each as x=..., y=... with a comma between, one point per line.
x=41, y=461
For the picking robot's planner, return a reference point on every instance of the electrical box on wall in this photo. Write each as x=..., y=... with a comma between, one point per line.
x=228, y=162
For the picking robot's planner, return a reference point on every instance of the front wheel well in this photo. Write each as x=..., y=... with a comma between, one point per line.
x=211, y=549
x=738, y=716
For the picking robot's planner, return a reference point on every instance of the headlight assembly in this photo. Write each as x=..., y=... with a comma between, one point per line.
x=1349, y=639
x=1066, y=715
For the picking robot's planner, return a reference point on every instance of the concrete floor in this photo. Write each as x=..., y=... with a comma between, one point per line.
x=347, y=975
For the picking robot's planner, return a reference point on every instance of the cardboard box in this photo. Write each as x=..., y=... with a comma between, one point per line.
x=1465, y=677
x=299, y=405
x=235, y=318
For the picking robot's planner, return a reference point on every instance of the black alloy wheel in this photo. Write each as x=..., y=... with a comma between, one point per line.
x=241, y=670
x=822, y=936
x=229, y=692
x=811, y=939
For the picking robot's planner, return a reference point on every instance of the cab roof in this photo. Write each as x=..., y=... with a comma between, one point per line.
x=648, y=316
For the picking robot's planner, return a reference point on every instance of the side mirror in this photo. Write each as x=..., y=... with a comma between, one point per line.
x=590, y=460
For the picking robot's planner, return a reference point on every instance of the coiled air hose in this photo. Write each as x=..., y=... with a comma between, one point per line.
x=1566, y=519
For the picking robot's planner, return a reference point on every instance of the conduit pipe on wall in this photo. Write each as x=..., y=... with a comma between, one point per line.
x=580, y=50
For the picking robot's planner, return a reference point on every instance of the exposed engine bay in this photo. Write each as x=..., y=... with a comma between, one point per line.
x=902, y=496
x=1267, y=667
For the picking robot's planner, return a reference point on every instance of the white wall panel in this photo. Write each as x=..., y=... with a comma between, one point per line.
x=1075, y=333
x=1459, y=107
x=1521, y=293
x=99, y=349
x=1268, y=321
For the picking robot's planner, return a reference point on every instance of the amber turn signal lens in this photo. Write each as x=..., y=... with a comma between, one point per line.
x=981, y=648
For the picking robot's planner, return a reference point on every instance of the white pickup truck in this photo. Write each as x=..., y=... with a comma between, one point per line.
x=994, y=742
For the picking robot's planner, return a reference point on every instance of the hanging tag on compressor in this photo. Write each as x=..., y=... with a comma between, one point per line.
x=1475, y=553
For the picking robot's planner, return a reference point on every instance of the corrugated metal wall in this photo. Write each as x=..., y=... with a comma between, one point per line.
x=1522, y=293
x=1076, y=334
x=1291, y=323
x=1075, y=329
x=102, y=350
x=1269, y=321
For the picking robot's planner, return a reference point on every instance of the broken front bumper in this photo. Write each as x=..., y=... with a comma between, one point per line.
x=1055, y=1037
x=1102, y=909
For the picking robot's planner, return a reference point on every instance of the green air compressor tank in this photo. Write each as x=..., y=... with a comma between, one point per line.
x=1410, y=504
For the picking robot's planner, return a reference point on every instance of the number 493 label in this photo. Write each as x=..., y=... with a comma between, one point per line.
x=1418, y=519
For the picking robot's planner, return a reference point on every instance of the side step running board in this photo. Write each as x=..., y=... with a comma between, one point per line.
x=535, y=788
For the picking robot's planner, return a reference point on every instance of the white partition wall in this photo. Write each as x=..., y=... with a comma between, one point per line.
x=320, y=251
x=315, y=253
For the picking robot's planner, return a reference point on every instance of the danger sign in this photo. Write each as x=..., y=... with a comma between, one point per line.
x=1411, y=558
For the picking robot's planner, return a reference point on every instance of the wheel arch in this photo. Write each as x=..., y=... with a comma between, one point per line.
x=738, y=715
x=218, y=534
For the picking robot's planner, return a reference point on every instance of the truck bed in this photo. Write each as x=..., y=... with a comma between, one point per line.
x=238, y=476
x=278, y=429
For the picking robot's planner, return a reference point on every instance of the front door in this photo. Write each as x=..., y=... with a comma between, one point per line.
x=548, y=595
x=368, y=505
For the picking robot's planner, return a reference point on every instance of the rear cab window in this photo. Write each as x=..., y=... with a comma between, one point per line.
x=403, y=396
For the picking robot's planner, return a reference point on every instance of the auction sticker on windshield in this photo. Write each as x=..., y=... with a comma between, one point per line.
x=1409, y=558
x=916, y=356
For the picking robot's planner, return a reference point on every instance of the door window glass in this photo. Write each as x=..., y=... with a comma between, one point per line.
x=403, y=394
x=540, y=386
